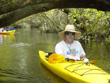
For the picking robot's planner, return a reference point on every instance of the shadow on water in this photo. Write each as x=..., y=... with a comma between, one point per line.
x=10, y=76
x=52, y=78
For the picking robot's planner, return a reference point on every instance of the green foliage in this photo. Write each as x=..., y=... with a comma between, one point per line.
x=91, y=22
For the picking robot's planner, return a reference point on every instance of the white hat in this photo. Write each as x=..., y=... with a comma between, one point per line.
x=69, y=28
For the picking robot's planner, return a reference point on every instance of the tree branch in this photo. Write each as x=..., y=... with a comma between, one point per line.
x=14, y=10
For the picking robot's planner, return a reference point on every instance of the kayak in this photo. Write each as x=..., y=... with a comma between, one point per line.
x=8, y=32
x=75, y=71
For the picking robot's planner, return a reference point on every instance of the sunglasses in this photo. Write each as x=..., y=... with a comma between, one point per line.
x=70, y=33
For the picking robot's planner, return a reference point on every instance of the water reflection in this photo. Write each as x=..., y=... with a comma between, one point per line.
x=51, y=75
x=21, y=44
x=7, y=38
x=1, y=39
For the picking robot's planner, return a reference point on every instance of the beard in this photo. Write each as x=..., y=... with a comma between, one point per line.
x=69, y=40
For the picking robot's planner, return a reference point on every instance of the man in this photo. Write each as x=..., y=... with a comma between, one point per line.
x=69, y=47
x=1, y=29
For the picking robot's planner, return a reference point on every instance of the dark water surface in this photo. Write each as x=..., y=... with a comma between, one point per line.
x=19, y=60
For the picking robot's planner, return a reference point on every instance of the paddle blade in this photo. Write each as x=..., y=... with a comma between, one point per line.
x=55, y=58
x=93, y=61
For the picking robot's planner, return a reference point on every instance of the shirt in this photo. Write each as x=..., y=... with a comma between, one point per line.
x=1, y=29
x=74, y=50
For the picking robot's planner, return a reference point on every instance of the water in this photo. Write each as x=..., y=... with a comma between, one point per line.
x=19, y=59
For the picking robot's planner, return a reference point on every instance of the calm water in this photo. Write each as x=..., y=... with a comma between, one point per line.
x=19, y=60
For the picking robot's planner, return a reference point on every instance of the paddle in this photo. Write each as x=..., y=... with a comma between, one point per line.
x=93, y=61
x=56, y=58
x=78, y=61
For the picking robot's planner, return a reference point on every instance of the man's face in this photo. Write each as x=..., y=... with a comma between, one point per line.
x=69, y=37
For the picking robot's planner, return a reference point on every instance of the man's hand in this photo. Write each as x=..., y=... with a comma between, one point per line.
x=82, y=57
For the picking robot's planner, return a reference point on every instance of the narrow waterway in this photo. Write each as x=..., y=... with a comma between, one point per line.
x=20, y=63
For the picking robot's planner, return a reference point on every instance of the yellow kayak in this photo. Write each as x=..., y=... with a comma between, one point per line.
x=11, y=32
x=76, y=71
